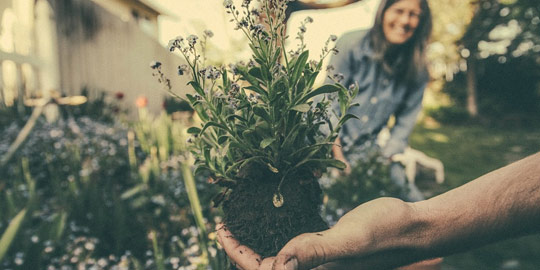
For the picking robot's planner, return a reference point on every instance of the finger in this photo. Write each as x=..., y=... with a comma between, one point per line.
x=243, y=256
x=267, y=263
x=305, y=251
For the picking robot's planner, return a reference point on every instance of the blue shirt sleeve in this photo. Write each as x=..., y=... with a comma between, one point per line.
x=406, y=117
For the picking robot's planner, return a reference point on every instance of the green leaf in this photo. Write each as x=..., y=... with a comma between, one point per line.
x=343, y=100
x=256, y=72
x=206, y=153
x=197, y=87
x=191, y=99
x=325, y=89
x=243, y=162
x=345, y=118
x=242, y=146
x=133, y=191
x=255, y=85
x=291, y=136
x=213, y=124
x=257, y=90
x=226, y=83
x=235, y=116
x=222, y=139
x=276, y=55
x=301, y=108
x=255, y=51
x=60, y=224
x=266, y=142
x=10, y=233
x=194, y=130
x=299, y=65
x=311, y=148
x=261, y=112
x=322, y=163
x=311, y=79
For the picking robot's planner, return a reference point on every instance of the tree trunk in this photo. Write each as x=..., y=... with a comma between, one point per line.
x=472, y=105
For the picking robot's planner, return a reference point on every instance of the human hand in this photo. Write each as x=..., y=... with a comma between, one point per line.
x=362, y=239
x=243, y=257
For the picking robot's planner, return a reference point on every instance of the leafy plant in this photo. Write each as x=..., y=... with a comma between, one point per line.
x=93, y=194
x=261, y=113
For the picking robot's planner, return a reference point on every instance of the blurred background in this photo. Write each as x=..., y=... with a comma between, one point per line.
x=94, y=172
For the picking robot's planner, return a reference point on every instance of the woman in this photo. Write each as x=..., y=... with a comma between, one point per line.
x=388, y=64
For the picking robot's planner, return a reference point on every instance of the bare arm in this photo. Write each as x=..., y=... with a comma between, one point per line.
x=387, y=233
x=502, y=204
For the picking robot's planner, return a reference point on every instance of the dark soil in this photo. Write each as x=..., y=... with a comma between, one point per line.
x=252, y=218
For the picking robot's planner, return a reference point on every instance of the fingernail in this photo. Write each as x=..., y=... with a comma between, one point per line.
x=291, y=264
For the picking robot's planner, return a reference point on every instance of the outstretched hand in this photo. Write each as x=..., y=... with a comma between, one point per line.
x=353, y=243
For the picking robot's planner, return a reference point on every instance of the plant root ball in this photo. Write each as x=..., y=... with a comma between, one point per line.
x=253, y=219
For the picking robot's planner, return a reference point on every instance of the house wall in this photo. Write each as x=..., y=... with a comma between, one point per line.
x=130, y=10
x=99, y=51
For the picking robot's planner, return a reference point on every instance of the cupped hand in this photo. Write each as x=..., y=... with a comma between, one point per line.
x=246, y=259
x=362, y=239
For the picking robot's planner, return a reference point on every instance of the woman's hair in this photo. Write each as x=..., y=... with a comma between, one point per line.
x=412, y=61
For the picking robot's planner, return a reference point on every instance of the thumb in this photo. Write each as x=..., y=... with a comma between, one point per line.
x=306, y=251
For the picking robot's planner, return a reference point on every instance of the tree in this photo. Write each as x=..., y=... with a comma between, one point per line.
x=501, y=30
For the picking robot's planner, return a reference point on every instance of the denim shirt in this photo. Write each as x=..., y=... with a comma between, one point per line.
x=380, y=96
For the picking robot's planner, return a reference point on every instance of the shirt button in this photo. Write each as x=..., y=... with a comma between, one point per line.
x=364, y=118
x=374, y=100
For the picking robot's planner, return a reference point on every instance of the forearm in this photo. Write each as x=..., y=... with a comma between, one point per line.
x=499, y=205
x=504, y=203
x=387, y=233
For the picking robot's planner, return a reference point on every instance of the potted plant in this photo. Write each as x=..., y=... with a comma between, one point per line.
x=261, y=136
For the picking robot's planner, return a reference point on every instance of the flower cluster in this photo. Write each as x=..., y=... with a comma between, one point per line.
x=302, y=29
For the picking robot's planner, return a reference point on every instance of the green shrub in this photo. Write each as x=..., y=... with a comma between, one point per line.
x=369, y=179
x=104, y=198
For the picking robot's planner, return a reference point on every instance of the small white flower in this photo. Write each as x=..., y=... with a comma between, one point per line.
x=192, y=39
x=228, y=3
x=208, y=33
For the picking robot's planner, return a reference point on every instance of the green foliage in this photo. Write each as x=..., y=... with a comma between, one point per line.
x=449, y=114
x=261, y=113
x=103, y=198
x=508, y=93
x=369, y=179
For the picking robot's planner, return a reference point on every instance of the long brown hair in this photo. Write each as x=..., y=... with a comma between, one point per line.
x=412, y=64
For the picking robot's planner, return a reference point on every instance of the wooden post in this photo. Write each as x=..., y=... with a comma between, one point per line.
x=472, y=105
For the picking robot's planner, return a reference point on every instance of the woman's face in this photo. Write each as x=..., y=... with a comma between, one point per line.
x=400, y=21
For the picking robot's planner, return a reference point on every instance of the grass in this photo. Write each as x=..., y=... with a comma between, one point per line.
x=469, y=151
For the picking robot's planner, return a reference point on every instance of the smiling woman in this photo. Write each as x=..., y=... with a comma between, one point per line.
x=401, y=20
x=388, y=64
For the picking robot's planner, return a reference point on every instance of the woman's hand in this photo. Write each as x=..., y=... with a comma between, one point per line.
x=337, y=153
